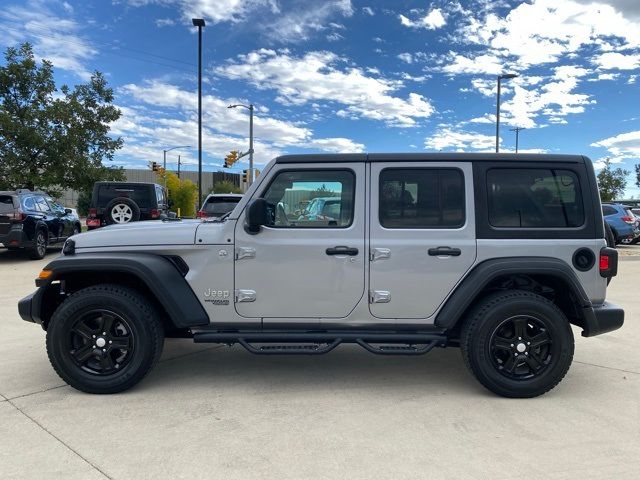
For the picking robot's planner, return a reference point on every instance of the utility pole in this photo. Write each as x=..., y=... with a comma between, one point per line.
x=506, y=76
x=178, y=166
x=199, y=22
x=250, y=152
x=517, y=130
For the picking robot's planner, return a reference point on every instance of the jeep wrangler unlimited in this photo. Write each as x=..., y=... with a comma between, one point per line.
x=497, y=254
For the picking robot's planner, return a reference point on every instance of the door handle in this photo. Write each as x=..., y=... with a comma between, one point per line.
x=342, y=250
x=445, y=252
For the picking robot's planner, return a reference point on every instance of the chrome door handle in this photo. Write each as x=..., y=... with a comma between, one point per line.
x=445, y=252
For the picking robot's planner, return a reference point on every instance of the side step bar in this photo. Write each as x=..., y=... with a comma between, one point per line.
x=317, y=343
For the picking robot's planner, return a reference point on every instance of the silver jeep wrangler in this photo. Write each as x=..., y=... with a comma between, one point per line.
x=497, y=254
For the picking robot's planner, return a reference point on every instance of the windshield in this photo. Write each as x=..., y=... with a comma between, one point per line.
x=220, y=206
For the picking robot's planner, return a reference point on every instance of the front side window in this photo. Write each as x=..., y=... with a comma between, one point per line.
x=311, y=199
x=421, y=198
x=534, y=198
x=42, y=205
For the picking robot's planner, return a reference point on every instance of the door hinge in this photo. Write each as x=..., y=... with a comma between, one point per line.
x=245, y=252
x=379, y=254
x=379, y=296
x=243, y=296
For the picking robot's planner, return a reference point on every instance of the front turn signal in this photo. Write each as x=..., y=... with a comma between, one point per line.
x=45, y=274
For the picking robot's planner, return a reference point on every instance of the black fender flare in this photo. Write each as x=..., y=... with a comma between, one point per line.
x=485, y=272
x=162, y=276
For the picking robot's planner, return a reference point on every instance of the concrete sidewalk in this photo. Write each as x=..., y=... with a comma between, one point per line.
x=220, y=413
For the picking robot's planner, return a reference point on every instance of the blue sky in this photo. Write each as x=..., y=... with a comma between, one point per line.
x=352, y=75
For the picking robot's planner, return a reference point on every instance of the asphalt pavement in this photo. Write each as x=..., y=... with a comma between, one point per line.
x=216, y=412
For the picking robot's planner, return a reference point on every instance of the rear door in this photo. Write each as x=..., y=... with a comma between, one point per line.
x=422, y=235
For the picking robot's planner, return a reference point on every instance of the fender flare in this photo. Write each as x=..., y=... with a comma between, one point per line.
x=485, y=272
x=159, y=274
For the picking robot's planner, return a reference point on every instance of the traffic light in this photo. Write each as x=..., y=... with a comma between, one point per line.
x=245, y=176
x=154, y=166
x=231, y=158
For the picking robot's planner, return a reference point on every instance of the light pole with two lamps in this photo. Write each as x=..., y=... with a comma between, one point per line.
x=505, y=76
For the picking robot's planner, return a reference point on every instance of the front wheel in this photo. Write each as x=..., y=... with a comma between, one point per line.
x=104, y=339
x=40, y=243
x=517, y=344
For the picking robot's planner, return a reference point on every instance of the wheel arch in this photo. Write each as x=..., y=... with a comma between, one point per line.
x=158, y=278
x=545, y=276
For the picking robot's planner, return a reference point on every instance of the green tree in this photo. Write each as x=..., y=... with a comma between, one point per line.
x=50, y=138
x=611, y=182
x=183, y=193
x=225, y=186
x=638, y=175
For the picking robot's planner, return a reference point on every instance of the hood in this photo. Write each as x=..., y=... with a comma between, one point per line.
x=140, y=234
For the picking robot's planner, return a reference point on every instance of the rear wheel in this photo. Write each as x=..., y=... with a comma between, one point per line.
x=104, y=339
x=40, y=243
x=517, y=344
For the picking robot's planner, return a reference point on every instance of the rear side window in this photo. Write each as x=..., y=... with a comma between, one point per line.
x=6, y=204
x=421, y=198
x=534, y=198
x=607, y=210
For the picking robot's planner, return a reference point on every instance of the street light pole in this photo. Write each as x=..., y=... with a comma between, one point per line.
x=505, y=76
x=178, y=166
x=164, y=161
x=517, y=130
x=199, y=22
x=250, y=108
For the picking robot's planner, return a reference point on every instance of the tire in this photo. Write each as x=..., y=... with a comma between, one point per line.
x=40, y=243
x=76, y=230
x=520, y=371
x=122, y=210
x=132, y=342
x=609, y=236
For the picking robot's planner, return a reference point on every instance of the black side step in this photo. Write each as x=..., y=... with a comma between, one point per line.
x=317, y=343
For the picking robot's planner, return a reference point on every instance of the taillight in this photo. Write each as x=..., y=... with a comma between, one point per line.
x=154, y=213
x=93, y=212
x=201, y=214
x=604, y=262
x=608, y=262
x=18, y=215
x=628, y=219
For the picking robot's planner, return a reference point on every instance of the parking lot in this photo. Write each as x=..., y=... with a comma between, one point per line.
x=218, y=412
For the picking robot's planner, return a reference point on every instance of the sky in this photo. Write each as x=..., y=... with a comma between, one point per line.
x=351, y=75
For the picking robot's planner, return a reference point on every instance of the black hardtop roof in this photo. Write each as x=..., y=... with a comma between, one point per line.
x=430, y=157
x=116, y=183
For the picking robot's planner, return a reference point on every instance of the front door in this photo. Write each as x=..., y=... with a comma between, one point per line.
x=422, y=235
x=309, y=262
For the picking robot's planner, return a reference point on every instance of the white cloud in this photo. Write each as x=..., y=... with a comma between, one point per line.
x=56, y=38
x=213, y=11
x=158, y=110
x=406, y=57
x=165, y=22
x=617, y=61
x=448, y=138
x=369, y=11
x=431, y=21
x=334, y=37
x=624, y=145
x=479, y=64
x=325, y=76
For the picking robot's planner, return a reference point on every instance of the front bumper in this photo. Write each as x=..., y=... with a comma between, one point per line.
x=602, y=319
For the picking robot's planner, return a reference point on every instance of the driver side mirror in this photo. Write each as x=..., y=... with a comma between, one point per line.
x=257, y=215
x=68, y=211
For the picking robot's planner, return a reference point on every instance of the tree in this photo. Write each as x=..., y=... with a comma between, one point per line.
x=225, y=186
x=50, y=138
x=183, y=193
x=638, y=175
x=611, y=182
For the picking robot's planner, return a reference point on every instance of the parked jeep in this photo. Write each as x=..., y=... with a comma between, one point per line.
x=31, y=221
x=497, y=254
x=124, y=202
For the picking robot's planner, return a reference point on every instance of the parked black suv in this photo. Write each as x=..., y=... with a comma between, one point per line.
x=124, y=202
x=32, y=220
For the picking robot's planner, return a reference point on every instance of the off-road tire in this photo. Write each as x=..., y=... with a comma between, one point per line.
x=40, y=244
x=135, y=210
x=481, y=325
x=147, y=337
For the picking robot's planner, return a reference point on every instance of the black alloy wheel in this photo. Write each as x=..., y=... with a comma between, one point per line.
x=517, y=344
x=521, y=347
x=101, y=342
x=39, y=249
